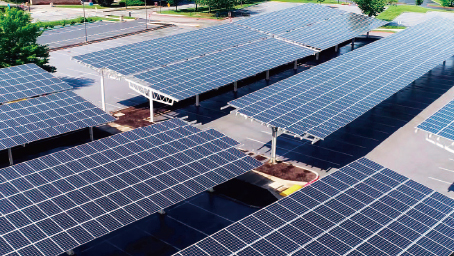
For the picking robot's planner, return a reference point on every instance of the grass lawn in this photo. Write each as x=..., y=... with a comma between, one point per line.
x=202, y=11
x=80, y=6
x=310, y=1
x=51, y=24
x=393, y=11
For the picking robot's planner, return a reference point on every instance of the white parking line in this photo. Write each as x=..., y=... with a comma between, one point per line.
x=446, y=169
x=441, y=180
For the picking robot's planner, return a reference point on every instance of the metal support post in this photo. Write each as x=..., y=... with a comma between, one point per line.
x=317, y=56
x=90, y=130
x=273, y=144
x=146, y=15
x=103, y=96
x=353, y=43
x=197, y=101
x=10, y=156
x=367, y=35
x=235, y=86
x=336, y=48
x=70, y=253
x=151, y=110
x=267, y=75
x=444, y=63
x=162, y=212
x=211, y=190
x=295, y=65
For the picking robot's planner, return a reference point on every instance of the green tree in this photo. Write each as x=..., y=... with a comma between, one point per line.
x=392, y=2
x=320, y=1
x=371, y=7
x=447, y=3
x=174, y=2
x=18, y=41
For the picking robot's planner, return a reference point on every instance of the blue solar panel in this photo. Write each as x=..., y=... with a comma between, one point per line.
x=441, y=122
x=189, y=78
x=383, y=224
x=327, y=97
x=137, y=57
x=27, y=81
x=43, y=117
x=65, y=199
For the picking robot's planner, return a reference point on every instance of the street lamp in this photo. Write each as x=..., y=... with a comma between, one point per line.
x=85, y=24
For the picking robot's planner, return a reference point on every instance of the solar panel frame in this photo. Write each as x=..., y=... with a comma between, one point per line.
x=440, y=123
x=28, y=80
x=323, y=99
x=91, y=201
x=352, y=234
x=47, y=116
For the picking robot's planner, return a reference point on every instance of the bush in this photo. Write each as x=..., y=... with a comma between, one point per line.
x=132, y=3
x=447, y=3
x=104, y=3
x=419, y=2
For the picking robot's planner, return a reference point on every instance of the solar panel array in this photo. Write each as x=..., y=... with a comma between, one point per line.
x=280, y=22
x=54, y=203
x=334, y=31
x=327, y=97
x=441, y=123
x=43, y=117
x=361, y=209
x=27, y=81
x=199, y=75
x=137, y=57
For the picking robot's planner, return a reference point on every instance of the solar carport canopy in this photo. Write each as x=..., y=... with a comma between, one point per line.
x=47, y=116
x=138, y=57
x=336, y=30
x=441, y=123
x=289, y=19
x=55, y=203
x=327, y=97
x=27, y=81
x=361, y=209
x=199, y=75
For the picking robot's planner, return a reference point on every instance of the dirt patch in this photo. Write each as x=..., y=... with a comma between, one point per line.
x=287, y=172
x=135, y=117
x=260, y=158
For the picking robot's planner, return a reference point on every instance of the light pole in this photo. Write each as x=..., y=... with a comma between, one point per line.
x=146, y=14
x=85, y=24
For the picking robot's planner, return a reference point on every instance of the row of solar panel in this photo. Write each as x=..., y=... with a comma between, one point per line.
x=43, y=117
x=60, y=201
x=441, y=122
x=202, y=74
x=321, y=100
x=134, y=58
x=362, y=209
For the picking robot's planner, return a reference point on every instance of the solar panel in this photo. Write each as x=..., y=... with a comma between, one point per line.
x=138, y=57
x=192, y=77
x=280, y=22
x=54, y=203
x=47, y=116
x=361, y=209
x=441, y=122
x=336, y=30
x=327, y=97
x=25, y=81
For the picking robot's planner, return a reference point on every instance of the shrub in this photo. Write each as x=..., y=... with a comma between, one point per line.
x=132, y=3
x=104, y=3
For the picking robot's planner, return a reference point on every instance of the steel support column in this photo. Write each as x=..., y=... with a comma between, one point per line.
x=103, y=96
x=353, y=43
x=267, y=77
x=235, y=86
x=317, y=56
x=273, y=144
x=295, y=65
x=10, y=156
x=151, y=110
x=90, y=130
x=367, y=35
x=336, y=48
x=197, y=101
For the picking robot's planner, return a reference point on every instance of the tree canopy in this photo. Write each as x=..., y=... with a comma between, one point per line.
x=18, y=37
x=371, y=7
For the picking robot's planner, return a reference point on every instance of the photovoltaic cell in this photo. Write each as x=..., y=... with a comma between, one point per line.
x=137, y=57
x=327, y=97
x=187, y=79
x=27, y=81
x=335, y=227
x=46, y=116
x=79, y=194
x=441, y=123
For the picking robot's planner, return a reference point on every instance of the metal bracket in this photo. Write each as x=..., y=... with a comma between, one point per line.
x=150, y=94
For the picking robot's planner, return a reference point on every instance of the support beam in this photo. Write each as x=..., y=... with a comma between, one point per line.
x=267, y=75
x=10, y=156
x=317, y=56
x=151, y=111
x=273, y=144
x=336, y=48
x=197, y=101
x=90, y=130
x=235, y=86
x=103, y=95
x=295, y=65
